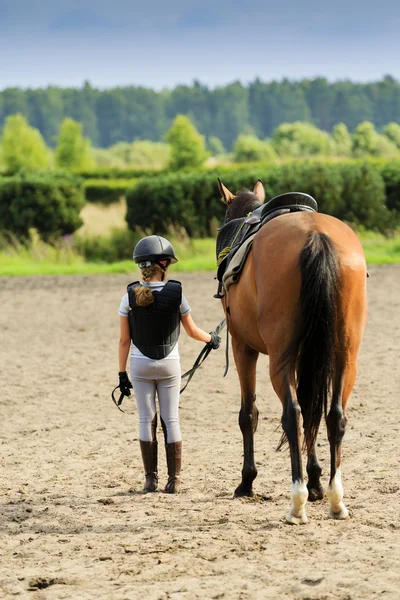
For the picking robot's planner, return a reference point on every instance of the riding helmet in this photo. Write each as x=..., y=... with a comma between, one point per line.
x=154, y=248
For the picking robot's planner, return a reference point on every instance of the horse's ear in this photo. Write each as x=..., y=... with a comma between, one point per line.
x=226, y=195
x=259, y=190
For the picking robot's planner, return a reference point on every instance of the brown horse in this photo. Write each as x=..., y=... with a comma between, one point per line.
x=301, y=299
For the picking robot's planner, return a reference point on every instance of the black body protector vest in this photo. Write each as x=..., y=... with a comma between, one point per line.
x=155, y=328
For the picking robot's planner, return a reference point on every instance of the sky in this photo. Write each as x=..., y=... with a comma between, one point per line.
x=161, y=44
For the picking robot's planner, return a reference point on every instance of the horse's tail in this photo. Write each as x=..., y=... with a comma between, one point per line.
x=318, y=337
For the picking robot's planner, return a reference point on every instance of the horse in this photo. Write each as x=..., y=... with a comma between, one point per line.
x=301, y=299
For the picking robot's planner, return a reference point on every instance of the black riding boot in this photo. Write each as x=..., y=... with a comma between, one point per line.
x=149, y=456
x=174, y=461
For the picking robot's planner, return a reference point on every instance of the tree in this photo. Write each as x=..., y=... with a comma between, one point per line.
x=145, y=153
x=392, y=131
x=187, y=145
x=300, y=139
x=73, y=150
x=23, y=146
x=249, y=148
x=366, y=141
x=342, y=140
x=215, y=146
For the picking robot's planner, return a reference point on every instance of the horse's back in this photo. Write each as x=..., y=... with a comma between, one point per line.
x=278, y=245
x=270, y=285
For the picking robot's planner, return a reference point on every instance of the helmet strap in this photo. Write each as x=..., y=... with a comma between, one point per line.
x=163, y=263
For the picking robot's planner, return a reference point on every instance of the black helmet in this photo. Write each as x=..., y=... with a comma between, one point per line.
x=153, y=249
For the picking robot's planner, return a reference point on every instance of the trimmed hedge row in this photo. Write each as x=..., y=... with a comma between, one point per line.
x=107, y=191
x=363, y=193
x=51, y=204
x=114, y=173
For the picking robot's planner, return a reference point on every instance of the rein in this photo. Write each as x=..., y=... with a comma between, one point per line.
x=189, y=374
x=117, y=402
x=201, y=358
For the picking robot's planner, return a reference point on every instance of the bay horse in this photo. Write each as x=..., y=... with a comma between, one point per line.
x=301, y=299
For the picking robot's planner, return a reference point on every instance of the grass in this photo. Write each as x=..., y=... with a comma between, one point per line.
x=380, y=250
x=194, y=255
x=43, y=259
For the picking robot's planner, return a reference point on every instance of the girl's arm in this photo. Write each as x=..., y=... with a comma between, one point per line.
x=193, y=331
x=124, y=343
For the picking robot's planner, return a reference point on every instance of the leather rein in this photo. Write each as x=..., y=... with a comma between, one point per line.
x=189, y=374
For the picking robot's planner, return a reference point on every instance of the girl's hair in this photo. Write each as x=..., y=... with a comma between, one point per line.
x=144, y=295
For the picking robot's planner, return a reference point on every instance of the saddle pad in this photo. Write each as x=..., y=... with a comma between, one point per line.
x=235, y=267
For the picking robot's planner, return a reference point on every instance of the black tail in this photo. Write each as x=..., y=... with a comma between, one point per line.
x=318, y=337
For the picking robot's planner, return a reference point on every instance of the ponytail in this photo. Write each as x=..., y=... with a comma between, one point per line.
x=144, y=295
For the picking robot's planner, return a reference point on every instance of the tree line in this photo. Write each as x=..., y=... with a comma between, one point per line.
x=22, y=147
x=137, y=113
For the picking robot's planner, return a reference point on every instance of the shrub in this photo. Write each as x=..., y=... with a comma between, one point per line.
x=390, y=172
x=107, y=191
x=117, y=173
x=364, y=197
x=48, y=203
x=138, y=154
x=350, y=190
x=111, y=248
x=249, y=148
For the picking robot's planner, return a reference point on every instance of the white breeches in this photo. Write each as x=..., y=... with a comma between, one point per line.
x=161, y=378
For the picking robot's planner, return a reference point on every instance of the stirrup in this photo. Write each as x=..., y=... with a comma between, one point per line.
x=220, y=289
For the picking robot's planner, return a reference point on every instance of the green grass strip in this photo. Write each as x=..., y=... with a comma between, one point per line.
x=194, y=255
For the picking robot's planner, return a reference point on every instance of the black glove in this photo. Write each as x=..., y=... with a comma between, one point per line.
x=124, y=384
x=215, y=340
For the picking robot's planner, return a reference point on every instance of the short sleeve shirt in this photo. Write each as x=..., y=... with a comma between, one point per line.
x=156, y=286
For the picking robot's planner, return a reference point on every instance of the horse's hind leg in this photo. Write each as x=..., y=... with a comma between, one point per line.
x=315, y=489
x=336, y=425
x=246, y=361
x=291, y=423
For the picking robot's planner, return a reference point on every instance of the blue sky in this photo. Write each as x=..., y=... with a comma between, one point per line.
x=161, y=44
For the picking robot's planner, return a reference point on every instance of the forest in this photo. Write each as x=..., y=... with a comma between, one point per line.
x=136, y=113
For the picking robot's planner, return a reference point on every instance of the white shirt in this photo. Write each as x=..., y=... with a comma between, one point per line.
x=156, y=286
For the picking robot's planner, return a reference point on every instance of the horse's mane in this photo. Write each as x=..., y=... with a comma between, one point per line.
x=245, y=201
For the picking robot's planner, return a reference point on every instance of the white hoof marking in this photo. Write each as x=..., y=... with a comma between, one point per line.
x=297, y=513
x=337, y=509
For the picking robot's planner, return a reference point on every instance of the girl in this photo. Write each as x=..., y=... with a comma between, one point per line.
x=150, y=315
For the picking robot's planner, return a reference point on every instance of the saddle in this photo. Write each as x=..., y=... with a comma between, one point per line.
x=235, y=238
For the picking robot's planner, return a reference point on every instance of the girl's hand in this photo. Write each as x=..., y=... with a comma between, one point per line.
x=124, y=383
x=215, y=341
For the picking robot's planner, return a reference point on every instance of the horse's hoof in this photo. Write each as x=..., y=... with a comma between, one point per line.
x=340, y=515
x=315, y=493
x=292, y=520
x=243, y=490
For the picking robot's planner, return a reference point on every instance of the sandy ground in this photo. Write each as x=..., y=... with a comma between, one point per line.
x=74, y=523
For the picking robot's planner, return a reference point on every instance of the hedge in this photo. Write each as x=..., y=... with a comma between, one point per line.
x=363, y=193
x=51, y=204
x=114, y=173
x=107, y=191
